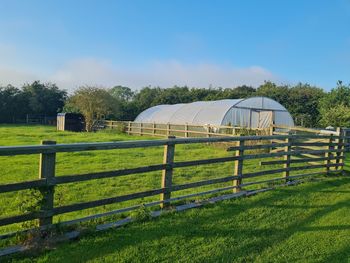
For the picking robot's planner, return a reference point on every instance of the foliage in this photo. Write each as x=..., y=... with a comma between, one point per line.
x=273, y=91
x=338, y=95
x=335, y=106
x=94, y=103
x=122, y=93
x=337, y=116
x=142, y=214
x=35, y=98
x=124, y=97
x=303, y=104
x=47, y=98
x=10, y=99
x=301, y=100
x=307, y=104
x=148, y=96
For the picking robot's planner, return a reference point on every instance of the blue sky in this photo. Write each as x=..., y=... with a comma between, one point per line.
x=195, y=43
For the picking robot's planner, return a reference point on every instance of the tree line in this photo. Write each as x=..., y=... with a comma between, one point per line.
x=35, y=98
x=309, y=105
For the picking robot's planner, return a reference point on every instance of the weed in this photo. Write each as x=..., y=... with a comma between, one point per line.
x=142, y=214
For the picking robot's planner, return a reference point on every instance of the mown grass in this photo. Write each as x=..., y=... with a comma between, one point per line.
x=150, y=235
x=304, y=223
x=25, y=167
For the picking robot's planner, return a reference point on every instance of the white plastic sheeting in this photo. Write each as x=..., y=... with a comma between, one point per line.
x=255, y=112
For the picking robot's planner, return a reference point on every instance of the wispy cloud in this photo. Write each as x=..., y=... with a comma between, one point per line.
x=15, y=77
x=161, y=73
x=90, y=71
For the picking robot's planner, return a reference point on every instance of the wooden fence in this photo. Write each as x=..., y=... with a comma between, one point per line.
x=193, y=130
x=281, y=130
x=40, y=119
x=182, y=130
x=285, y=130
x=326, y=153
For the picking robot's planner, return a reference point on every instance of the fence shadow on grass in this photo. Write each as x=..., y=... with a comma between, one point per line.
x=240, y=230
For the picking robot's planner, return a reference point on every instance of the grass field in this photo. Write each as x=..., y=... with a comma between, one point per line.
x=304, y=223
x=234, y=230
x=25, y=167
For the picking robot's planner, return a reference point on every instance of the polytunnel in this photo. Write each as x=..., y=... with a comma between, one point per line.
x=255, y=112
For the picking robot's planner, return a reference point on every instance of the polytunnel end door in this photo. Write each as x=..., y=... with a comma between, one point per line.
x=265, y=119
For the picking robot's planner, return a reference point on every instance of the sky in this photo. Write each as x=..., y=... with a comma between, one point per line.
x=163, y=43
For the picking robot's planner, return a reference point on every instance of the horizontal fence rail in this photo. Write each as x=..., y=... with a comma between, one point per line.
x=281, y=129
x=183, y=130
x=327, y=153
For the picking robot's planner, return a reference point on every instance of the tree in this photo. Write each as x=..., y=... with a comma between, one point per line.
x=127, y=108
x=35, y=98
x=12, y=104
x=303, y=104
x=277, y=93
x=239, y=92
x=337, y=116
x=44, y=99
x=94, y=103
x=338, y=95
x=145, y=98
x=198, y=94
x=337, y=98
x=122, y=93
x=301, y=100
x=173, y=95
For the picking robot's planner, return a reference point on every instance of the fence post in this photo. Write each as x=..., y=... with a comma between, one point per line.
x=238, y=166
x=47, y=171
x=287, y=158
x=168, y=129
x=154, y=128
x=328, y=155
x=340, y=147
x=167, y=173
x=186, y=130
x=129, y=127
x=141, y=128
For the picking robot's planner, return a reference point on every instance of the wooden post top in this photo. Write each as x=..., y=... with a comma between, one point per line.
x=48, y=142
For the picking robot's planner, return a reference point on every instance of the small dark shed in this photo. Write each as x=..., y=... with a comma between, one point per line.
x=70, y=122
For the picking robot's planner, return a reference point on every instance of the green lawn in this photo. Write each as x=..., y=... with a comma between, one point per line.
x=25, y=167
x=306, y=221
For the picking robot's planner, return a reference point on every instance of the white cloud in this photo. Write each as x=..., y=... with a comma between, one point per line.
x=10, y=71
x=90, y=71
x=15, y=77
x=161, y=73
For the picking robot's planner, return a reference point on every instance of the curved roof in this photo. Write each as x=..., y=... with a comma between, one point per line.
x=205, y=112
